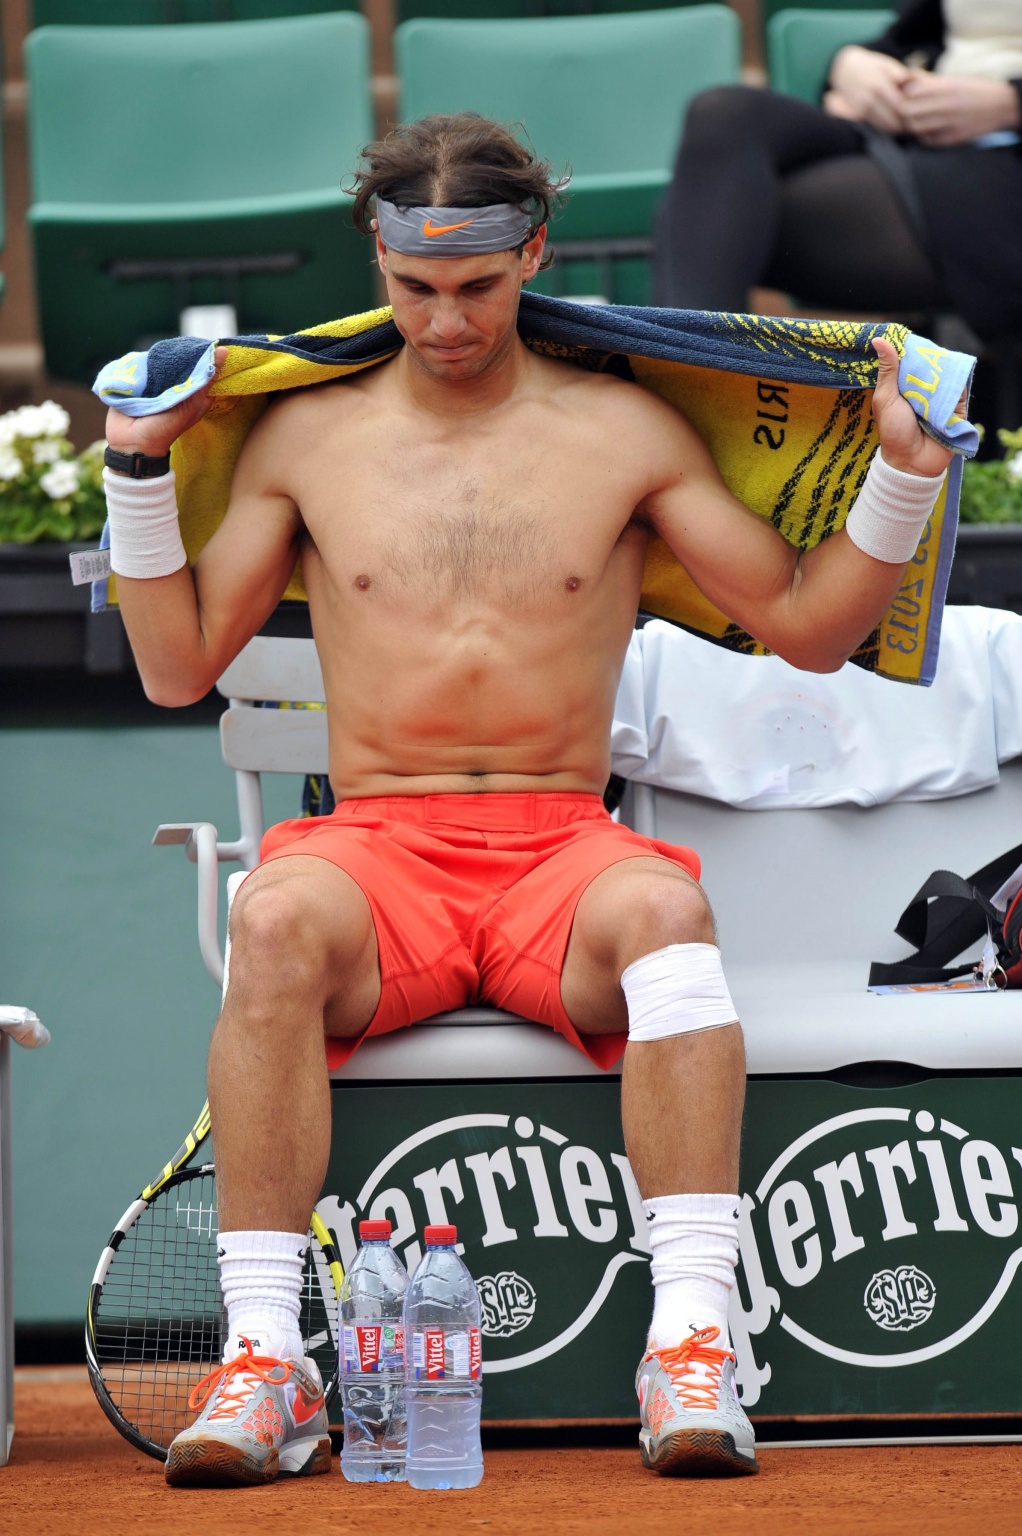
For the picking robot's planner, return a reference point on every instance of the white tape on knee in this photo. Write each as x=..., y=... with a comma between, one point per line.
x=677, y=991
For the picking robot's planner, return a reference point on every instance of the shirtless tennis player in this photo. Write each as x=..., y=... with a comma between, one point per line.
x=471, y=521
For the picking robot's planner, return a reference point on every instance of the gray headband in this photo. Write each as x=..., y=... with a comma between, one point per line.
x=452, y=231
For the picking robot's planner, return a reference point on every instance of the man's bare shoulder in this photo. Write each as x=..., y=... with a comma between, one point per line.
x=296, y=420
x=626, y=415
x=300, y=410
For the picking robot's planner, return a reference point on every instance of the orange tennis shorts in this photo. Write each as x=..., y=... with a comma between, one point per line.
x=473, y=897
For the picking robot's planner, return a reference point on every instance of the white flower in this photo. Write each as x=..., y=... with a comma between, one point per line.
x=46, y=420
x=55, y=418
x=46, y=450
x=61, y=480
x=1013, y=466
x=28, y=421
x=10, y=464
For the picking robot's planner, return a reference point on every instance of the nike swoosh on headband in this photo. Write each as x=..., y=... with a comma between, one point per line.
x=431, y=230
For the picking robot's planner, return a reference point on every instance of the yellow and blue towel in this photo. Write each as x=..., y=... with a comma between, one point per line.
x=782, y=404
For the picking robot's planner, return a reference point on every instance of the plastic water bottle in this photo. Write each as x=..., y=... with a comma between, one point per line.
x=443, y=1368
x=373, y=1361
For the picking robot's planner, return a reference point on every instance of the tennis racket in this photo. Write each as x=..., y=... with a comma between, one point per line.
x=155, y=1319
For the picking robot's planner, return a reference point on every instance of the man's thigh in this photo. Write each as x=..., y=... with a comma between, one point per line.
x=304, y=906
x=550, y=946
x=407, y=899
x=631, y=909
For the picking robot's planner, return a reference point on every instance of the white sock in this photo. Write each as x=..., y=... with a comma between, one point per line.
x=694, y=1240
x=261, y=1277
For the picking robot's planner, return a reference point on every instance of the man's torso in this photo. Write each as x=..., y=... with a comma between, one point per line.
x=472, y=581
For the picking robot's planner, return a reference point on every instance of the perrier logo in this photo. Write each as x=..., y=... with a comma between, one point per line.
x=881, y=1238
x=547, y=1210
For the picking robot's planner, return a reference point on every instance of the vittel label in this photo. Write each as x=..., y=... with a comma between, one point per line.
x=372, y=1347
x=880, y=1238
x=440, y=1354
x=361, y=1348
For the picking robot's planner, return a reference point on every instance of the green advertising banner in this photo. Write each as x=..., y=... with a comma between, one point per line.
x=879, y=1235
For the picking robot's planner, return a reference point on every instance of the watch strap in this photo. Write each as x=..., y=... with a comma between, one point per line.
x=140, y=466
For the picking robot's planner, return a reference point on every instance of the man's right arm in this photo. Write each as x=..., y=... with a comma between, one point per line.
x=187, y=625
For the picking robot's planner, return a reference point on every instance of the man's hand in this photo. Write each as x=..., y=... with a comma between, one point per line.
x=941, y=110
x=906, y=446
x=867, y=87
x=153, y=435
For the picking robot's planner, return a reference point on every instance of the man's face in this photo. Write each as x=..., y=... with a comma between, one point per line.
x=458, y=315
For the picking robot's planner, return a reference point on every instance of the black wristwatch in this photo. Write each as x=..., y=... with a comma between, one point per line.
x=140, y=466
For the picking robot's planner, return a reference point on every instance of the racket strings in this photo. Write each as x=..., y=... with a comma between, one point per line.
x=159, y=1324
x=159, y=1319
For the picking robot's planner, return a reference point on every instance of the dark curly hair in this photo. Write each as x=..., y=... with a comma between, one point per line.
x=461, y=161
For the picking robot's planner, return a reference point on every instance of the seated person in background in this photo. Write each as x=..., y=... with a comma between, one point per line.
x=471, y=520
x=901, y=192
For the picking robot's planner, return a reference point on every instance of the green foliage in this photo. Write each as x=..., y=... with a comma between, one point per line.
x=47, y=491
x=992, y=492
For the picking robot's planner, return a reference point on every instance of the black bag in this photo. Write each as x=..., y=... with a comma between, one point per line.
x=948, y=915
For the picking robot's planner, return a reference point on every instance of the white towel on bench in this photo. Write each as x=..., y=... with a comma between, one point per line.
x=759, y=734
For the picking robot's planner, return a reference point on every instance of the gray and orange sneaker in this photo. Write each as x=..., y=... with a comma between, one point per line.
x=692, y=1422
x=260, y=1418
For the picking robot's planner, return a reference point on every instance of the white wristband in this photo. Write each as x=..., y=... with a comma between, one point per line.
x=145, y=539
x=889, y=514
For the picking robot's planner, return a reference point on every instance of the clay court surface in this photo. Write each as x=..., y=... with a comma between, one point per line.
x=70, y=1472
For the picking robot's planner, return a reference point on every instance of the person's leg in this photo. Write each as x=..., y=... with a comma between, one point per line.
x=681, y=1098
x=303, y=960
x=303, y=963
x=718, y=222
x=845, y=241
x=642, y=957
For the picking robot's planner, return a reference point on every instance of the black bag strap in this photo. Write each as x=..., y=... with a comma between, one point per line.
x=946, y=915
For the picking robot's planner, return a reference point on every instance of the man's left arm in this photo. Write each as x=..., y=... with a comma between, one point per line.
x=814, y=608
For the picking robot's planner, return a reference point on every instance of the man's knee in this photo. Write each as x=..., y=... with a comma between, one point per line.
x=640, y=906
x=285, y=935
x=664, y=908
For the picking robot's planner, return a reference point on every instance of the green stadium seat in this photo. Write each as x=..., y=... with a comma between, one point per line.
x=183, y=165
x=134, y=13
x=603, y=95
x=801, y=44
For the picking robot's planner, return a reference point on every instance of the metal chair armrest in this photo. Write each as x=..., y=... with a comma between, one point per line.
x=201, y=847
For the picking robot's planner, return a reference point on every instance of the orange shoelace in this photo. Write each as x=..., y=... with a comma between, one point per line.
x=236, y=1380
x=695, y=1390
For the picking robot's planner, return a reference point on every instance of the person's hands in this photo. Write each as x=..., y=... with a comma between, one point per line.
x=153, y=435
x=905, y=445
x=867, y=87
x=940, y=110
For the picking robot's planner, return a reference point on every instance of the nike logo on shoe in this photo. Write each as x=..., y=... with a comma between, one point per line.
x=302, y=1411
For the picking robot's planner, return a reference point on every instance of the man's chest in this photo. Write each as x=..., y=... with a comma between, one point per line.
x=511, y=522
